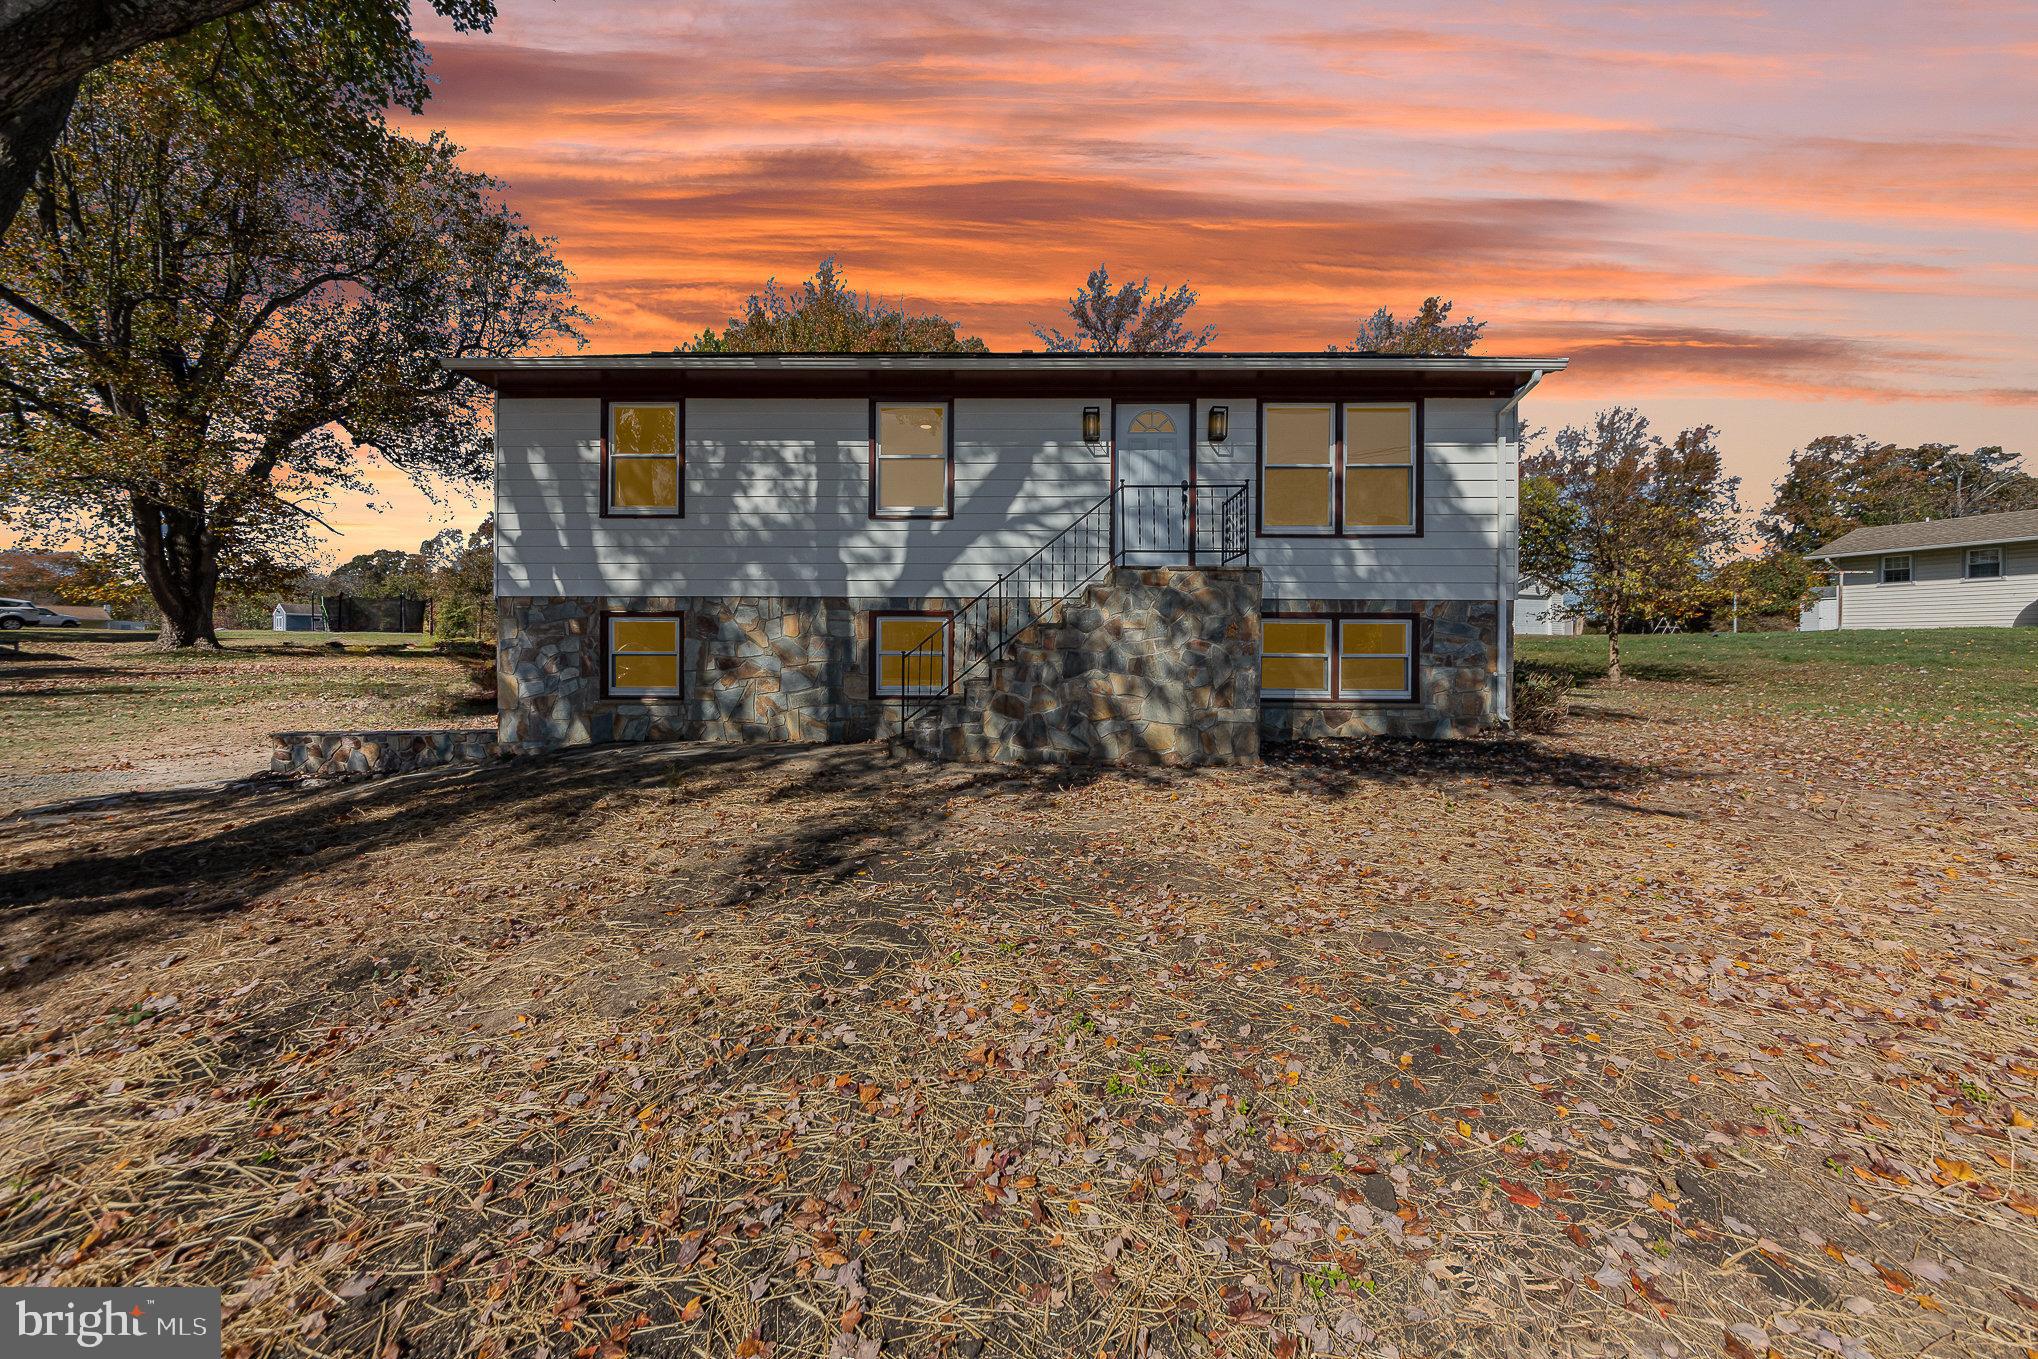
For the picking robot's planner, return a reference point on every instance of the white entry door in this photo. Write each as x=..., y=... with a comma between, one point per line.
x=1153, y=470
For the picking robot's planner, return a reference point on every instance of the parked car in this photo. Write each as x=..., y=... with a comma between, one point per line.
x=19, y=613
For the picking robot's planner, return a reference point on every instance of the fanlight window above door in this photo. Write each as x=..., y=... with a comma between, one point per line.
x=1151, y=422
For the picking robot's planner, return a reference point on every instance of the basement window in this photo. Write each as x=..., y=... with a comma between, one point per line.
x=1295, y=658
x=643, y=653
x=911, y=653
x=1358, y=658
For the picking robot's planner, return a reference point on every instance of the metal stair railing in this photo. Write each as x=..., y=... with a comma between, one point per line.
x=1216, y=514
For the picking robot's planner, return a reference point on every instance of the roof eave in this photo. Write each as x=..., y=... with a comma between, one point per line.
x=1899, y=549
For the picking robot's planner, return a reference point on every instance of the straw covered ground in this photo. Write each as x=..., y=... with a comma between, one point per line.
x=1682, y=1031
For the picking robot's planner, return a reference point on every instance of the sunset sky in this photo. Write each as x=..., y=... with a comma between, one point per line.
x=1782, y=220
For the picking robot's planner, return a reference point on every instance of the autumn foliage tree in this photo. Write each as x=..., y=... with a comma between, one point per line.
x=826, y=316
x=202, y=324
x=1844, y=481
x=292, y=59
x=1131, y=318
x=1430, y=331
x=1644, y=523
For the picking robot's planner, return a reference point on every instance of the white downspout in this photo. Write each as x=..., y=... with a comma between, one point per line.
x=1505, y=423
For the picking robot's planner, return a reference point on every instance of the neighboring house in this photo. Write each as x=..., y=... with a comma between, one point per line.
x=296, y=618
x=1539, y=612
x=84, y=613
x=1980, y=571
x=831, y=547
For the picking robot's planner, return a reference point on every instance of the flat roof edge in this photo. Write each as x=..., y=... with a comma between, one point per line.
x=1013, y=362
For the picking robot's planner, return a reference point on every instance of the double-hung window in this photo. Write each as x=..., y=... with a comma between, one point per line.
x=912, y=459
x=1896, y=570
x=912, y=653
x=1984, y=563
x=643, y=652
x=645, y=460
x=1298, y=469
x=1379, y=449
x=1347, y=468
x=1359, y=659
x=1295, y=658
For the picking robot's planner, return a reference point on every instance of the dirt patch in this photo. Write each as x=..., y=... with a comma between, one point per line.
x=92, y=718
x=1714, y=1034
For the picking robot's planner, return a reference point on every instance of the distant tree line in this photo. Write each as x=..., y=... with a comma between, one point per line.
x=453, y=572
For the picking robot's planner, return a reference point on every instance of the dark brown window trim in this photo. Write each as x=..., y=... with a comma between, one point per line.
x=1337, y=406
x=1334, y=618
x=679, y=658
x=877, y=690
x=679, y=421
x=948, y=436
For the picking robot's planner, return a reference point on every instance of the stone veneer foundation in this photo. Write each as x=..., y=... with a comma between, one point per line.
x=1457, y=662
x=1150, y=665
x=1153, y=665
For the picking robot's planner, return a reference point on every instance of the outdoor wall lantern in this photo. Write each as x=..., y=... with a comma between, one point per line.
x=1220, y=424
x=1093, y=424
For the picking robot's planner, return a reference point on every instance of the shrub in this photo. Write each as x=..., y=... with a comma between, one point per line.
x=1539, y=697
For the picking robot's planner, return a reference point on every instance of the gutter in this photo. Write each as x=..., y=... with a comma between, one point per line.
x=1505, y=585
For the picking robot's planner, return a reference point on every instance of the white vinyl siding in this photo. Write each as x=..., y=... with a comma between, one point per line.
x=778, y=503
x=1939, y=593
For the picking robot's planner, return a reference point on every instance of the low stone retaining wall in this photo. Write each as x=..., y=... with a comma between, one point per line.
x=342, y=754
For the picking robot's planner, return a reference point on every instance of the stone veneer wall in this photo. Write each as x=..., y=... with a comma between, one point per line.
x=752, y=669
x=343, y=754
x=1152, y=665
x=1457, y=657
x=1156, y=666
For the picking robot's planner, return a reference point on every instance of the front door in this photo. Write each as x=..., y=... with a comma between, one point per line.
x=1154, y=471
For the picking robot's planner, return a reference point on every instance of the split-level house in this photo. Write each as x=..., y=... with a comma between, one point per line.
x=1978, y=571
x=1047, y=557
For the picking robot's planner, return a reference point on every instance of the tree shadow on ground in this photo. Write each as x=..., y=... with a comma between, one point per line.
x=1339, y=769
x=145, y=866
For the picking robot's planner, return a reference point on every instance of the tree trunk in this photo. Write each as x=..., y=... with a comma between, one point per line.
x=52, y=45
x=1613, y=626
x=180, y=562
x=26, y=136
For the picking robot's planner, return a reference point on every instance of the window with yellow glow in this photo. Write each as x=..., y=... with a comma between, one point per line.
x=644, y=458
x=1295, y=658
x=1363, y=659
x=1379, y=467
x=1296, y=469
x=1374, y=658
x=912, y=460
x=643, y=656
x=912, y=653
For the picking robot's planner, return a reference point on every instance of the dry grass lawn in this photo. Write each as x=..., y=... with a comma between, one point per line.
x=1694, y=1029
x=84, y=712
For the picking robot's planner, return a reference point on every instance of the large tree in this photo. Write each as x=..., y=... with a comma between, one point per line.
x=203, y=320
x=1647, y=522
x=1840, y=482
x=1129, y=319
x=52, y=45
x=1431, y=331
x=827, y=316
